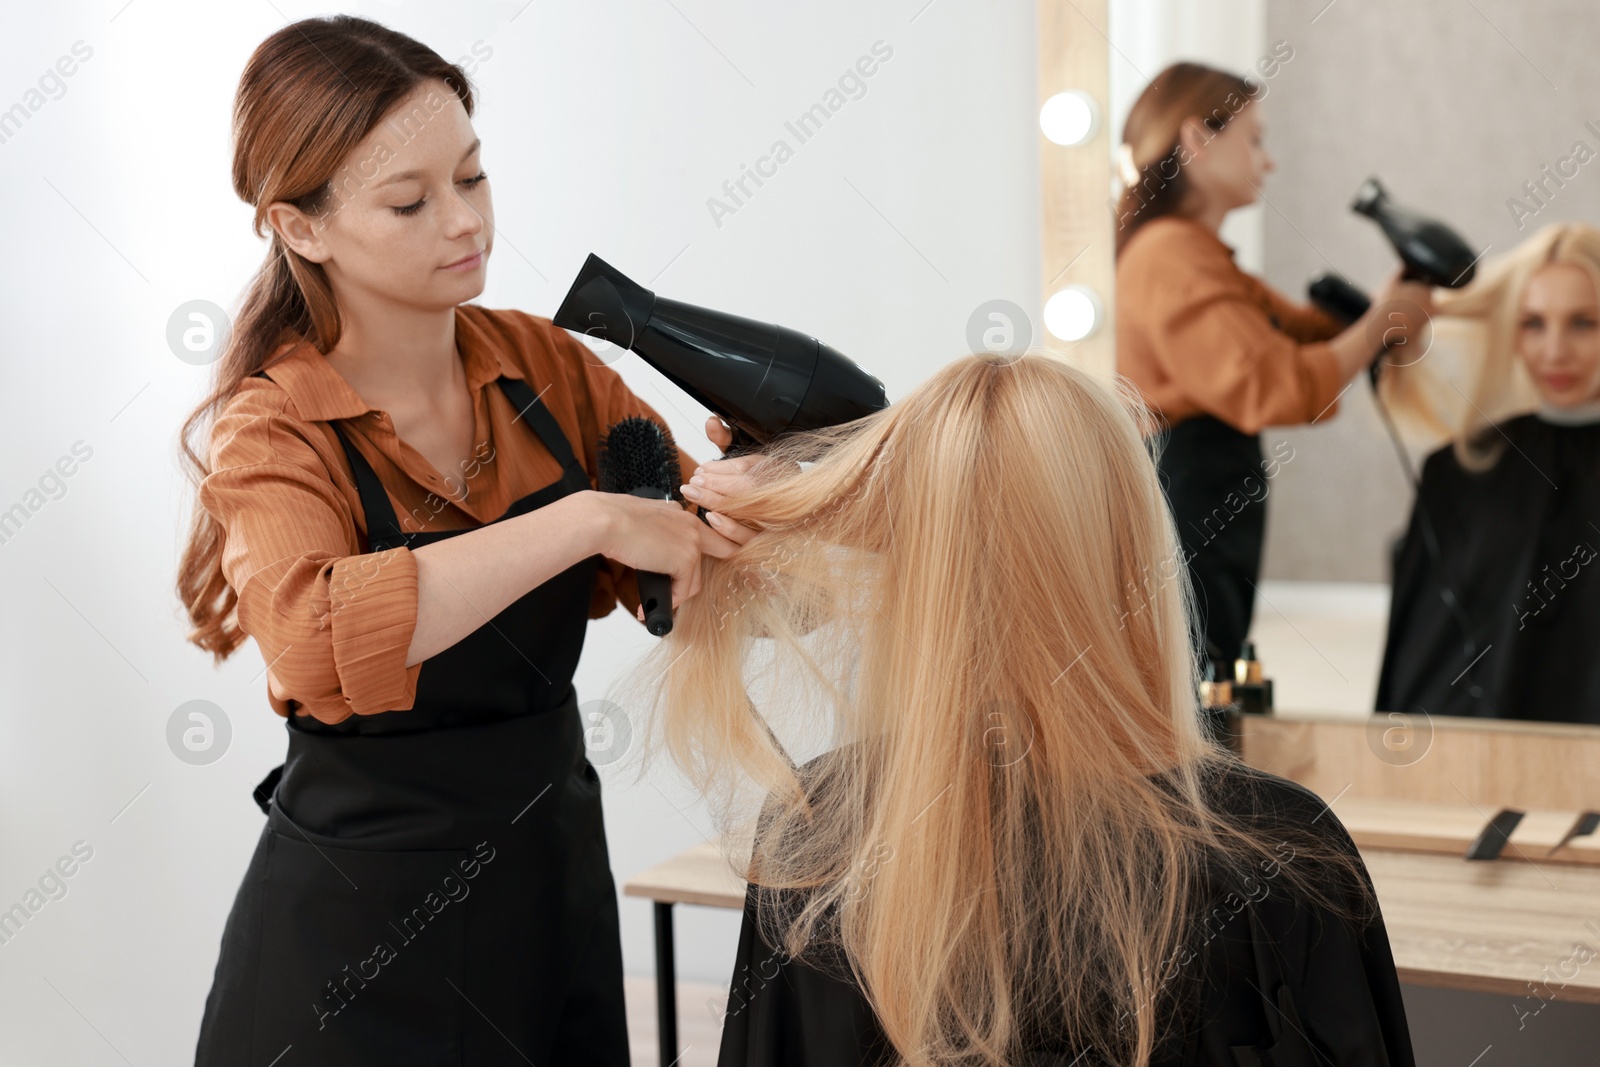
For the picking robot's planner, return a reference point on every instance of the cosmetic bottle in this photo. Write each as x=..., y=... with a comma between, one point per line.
x=1220, y=713
x=1252, y=690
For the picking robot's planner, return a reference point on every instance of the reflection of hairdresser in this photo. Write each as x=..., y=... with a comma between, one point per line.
x=1217, y=352
x=1496, y=606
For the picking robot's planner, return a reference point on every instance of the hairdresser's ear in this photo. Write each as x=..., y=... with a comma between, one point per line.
x=1193, y=137
x=298, y=230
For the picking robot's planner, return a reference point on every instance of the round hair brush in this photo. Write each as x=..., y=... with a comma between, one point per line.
x=637, y=457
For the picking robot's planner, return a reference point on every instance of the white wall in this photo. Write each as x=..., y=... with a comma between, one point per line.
x=606, y=128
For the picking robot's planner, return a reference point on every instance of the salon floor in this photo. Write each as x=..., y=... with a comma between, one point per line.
x=698, y=1032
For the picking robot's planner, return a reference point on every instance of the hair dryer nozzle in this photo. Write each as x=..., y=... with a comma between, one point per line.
x=1431, y=251
x=604, y=303
x=1369, y=198
x=760, y=378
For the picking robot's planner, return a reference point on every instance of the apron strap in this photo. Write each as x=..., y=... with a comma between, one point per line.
x=532, y=410
x=382, y=524
x=383, y=527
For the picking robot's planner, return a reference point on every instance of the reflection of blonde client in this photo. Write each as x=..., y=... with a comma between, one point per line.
x=1217, y=352
x=1496, y=604
x=1019, y=839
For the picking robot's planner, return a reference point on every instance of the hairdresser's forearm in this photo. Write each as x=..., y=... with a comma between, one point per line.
x=466, y=580
x=1354, y=348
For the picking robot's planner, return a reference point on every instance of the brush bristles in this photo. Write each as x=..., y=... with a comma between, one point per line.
x=638, y=453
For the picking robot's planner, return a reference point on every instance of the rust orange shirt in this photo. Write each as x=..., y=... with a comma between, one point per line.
x=1198, y=335
x=282, y=490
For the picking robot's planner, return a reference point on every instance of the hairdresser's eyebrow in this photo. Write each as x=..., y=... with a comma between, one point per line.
x=405, y=174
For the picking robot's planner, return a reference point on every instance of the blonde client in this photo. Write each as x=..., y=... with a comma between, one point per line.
x=1016, y=845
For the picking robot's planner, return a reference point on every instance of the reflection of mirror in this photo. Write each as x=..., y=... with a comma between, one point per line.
x=1485, y=129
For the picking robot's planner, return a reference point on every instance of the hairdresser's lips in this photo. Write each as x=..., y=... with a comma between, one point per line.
x=472, y=262
x=1560, y=383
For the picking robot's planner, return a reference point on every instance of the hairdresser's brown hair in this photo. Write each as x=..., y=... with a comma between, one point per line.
x=974, y=601
x=308, y=96
x=1150, y=138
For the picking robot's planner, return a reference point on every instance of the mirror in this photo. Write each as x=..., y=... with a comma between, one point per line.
x=1480, y=117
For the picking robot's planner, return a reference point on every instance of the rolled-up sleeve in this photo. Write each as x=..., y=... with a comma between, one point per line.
x=1219, y=348
x=334, y=625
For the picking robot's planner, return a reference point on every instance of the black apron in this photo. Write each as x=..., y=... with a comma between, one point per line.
x=1213, y=477
x=432, y=885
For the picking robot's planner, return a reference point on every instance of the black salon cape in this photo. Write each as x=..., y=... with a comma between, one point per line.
x=1514, y=650
x=1279, y=983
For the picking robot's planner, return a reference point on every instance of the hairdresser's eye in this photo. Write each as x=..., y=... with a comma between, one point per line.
x=410, y=209
x=1531, y=324
x=1584, y=322
x=472, y=182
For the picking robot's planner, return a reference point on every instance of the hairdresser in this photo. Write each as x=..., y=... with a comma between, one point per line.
x=1217, y=353
x=397, y=503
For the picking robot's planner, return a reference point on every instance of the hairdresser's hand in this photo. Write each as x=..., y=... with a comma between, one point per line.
x=1399, y=315
x=659, y=536
x=710, y=481
x=1408, y=306
x=719, y=433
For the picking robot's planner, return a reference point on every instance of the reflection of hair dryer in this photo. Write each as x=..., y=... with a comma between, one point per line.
x=763, y=380
x=1431, y=251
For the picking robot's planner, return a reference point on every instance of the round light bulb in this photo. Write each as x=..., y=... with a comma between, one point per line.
x=1072, y=312
x=1069, y=118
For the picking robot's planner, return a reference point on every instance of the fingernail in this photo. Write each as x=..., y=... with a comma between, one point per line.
x=689, y=491
x=697, y=480
x=713, y=516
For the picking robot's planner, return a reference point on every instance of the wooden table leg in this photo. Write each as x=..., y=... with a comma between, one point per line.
x=666, y=987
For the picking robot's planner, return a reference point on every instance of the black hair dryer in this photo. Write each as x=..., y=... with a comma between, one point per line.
x=1431, y=251
x=763, y=380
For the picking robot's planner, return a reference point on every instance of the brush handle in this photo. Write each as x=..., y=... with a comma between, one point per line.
x=655, y=589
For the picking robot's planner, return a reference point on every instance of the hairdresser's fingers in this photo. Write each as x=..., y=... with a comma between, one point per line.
x=712, y=482
x=687, y=582
x=717, y=539
x=1398, y=287
x=719, y=433
x=685, y=586
x=737, y=532
x=1418, y=293
x=735, y=467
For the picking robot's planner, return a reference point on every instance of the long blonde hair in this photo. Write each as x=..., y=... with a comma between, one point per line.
x=965, y=597
x=1485, y=314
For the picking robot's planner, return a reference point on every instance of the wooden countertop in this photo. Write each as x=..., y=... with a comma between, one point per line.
x=697, y=875
x=1413, y=794
x=1506, y=926
x=1489, y=926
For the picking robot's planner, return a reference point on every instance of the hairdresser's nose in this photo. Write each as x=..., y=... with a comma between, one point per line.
x=462, y=219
